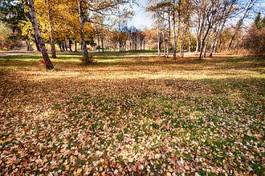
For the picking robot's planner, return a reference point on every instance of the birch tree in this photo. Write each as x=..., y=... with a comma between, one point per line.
x=249, y=5
x=51, y=25
x=165, y=16
x=87, y=59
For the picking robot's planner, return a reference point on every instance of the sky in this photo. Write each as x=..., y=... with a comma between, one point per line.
x=141, y=18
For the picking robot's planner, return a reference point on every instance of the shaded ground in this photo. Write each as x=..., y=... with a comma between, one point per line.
x=132, y=115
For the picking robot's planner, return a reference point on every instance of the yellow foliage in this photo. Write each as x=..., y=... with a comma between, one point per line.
x=65, y=20
x=4, y=31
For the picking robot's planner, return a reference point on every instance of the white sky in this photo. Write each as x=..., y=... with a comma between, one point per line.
x=141, y=18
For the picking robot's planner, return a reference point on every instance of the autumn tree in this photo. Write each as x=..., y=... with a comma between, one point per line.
x=164, y=13
x=82, y=16
x=184, y=10
x=37, y=34
x=49, y=4
x=211, y=16
x=5, y=32
x=228, y=8
x=254, y=41
x=12, y=13
x=246, y=9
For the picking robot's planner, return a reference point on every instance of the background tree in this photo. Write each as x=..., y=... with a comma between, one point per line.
x=228, y=8
x=5, y=32
x=248, y=6
x=50, y=11
x=12, y=14
x=255, y=38
x=88, y=10
x=82, y=16
x=163, y=11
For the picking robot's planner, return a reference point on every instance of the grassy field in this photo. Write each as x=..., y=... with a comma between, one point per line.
x=132, y=115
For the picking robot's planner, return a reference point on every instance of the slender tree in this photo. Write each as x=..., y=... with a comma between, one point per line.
x=37, y=34
x=175, y=37
x=247, y=8
x=228, y=9
x=51, y=25
x=86, y=57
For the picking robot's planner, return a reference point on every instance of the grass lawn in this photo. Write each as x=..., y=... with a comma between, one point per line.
x=132, y=115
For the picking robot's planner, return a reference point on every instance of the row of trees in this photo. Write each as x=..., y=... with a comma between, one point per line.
x=203, y=26
x=178, y=21
x=129, y=38
x=255, y=38
x=64, y=22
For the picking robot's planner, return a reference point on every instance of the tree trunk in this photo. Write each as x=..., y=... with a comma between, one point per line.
x=214, y=40
x=219, y=32
x=169, y=33
x=98, y=44
x=205, y=48
x=120, y=46
x=200, y=31
x=36, y=43
x=240, y=22
x=203, y=42
x=234, y=35
x=158, y=44
x=85, y=53
x=169, y=28
x=198, y=37
x=51, y=24
x=37, y=35
x=189, y=43
x=174, y=34
x=65, y=45
x=182, y=41
x=75, y=46
x=70, y=45
x=60, y=46
x=165, y=45
x=102, y=44
x=28, y=45
x=197, y=45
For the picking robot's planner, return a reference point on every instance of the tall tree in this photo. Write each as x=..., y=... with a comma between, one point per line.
x=212, y=17
x=249, y=5
x=51, y=25
x=82, y=17
x=37, y=34
x=165, y=11
x=228, y=9
x=175, y=37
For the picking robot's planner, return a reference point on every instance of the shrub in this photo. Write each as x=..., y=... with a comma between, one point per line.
x=255, y=38
x=255, y=41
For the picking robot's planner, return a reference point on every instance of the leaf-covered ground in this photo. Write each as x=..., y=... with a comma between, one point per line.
x=132, y=116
